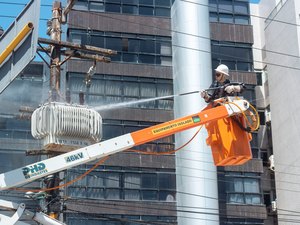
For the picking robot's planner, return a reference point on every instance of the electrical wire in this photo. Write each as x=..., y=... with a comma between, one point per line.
x=268, y=63
x=256, y=119
x=62, y=185
x=143, y=208
x=256, y=16
x=179, y=216
x=147, y=222
x=206, y=196
x=112, y=206
x=195, y=49
x=191, y=168
x=21, y=4
x=198, y=177
x=94, y=167
x=179, y=32
x=262, y=179
x=115, y=203
x=150, y=153
x=196, y=3
x=169, y=152
x=193, y=211
x=78, y=201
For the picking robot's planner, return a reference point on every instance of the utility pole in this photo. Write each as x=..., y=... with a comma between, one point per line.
x=55, y=35
x=52, y=200
x=55, y=50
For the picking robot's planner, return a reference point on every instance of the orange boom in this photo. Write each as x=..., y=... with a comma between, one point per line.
x=229, y=142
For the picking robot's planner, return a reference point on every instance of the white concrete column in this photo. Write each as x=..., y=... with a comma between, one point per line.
x=197, y=194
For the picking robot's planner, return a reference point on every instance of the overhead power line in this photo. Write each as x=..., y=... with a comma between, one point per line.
x=22, y=4
x=147, y=25
x=260, y=17
x=197, y=36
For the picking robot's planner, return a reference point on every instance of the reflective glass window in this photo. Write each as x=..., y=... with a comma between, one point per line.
x=147, y=11
x=114, y=43
x=146, y=2
x=130, y=9
x=97, y=41
x=162, y=3
x=243, y=188
x=130, y=1
x=244, y=20
x=149, y=181
x=241, y=7
x=148, y=59
x=162, y=12
x=213, y=6
x=147, y=46
x=130, y=58
x=225, y=6
x=112, y=8
x=97, y=6
x=149, y=195
x=226, y=18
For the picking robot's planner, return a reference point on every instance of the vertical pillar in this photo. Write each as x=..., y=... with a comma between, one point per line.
x=197, y=193
x=53, y=200
x=55, y=51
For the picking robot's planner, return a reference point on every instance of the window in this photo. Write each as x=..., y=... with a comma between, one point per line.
x=241, y=8
x=129, y=9
x=131, y=48
x=106, y=90
x=262, y=117
x=241, y=221
x=109, y=219
x=96, y=6
x=162, y=3
x=224, y=11
x=123, y=183
x=144, y=10
x=237, y=56
x=116, y=8
x=161, y=8
x=243, y=188
x=225, y=6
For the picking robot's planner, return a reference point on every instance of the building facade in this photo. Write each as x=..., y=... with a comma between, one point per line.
x=276, y=50
x=131, y=187
x=17, y=104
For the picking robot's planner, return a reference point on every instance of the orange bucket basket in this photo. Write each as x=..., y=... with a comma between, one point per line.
x=230, y=144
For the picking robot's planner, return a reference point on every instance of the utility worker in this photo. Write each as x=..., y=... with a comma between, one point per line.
x=222, y=75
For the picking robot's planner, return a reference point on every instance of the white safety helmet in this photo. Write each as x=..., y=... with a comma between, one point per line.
x=223, y=69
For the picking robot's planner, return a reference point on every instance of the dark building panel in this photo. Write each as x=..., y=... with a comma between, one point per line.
x=244, y=77
x=138, y=115
x=231, y=45
x=246, y=211
x=140, y=160
x=122, y=208
x=255, y=166
x=141, y=70
x=118, y=22
x=231, y=32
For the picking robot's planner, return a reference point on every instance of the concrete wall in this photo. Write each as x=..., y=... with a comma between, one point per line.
x=282, y=60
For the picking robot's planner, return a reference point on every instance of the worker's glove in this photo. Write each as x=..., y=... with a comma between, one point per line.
x=233, y=89
x=204, y=94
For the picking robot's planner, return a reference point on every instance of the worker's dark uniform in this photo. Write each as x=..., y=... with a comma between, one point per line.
x=216, y=92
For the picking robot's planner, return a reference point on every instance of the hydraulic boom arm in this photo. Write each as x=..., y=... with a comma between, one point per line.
x=87, y=154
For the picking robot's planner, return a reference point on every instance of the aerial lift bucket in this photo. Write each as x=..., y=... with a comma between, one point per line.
x=230, y=143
